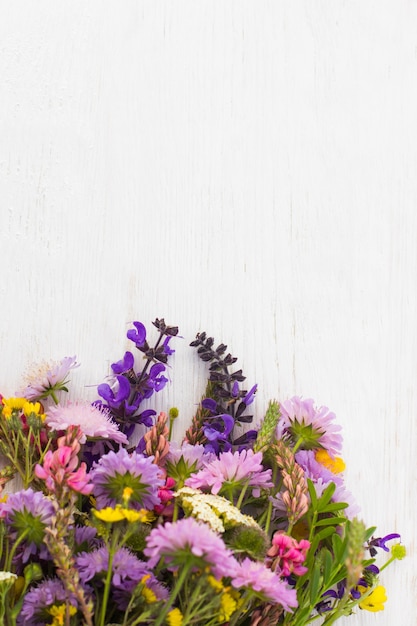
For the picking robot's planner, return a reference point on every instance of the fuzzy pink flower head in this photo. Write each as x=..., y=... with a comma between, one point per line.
x=288, y=554
x=93, y=421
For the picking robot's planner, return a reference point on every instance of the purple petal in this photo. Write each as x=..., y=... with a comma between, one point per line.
x=124, y=364
x=138, y=336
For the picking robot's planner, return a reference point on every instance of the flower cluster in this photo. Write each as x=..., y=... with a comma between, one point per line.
x=226, y=527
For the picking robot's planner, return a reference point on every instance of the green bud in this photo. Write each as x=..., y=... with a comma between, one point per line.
x=398, y=551
x=173, y=413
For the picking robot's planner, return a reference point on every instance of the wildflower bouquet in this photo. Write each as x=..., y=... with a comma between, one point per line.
x=230, y=525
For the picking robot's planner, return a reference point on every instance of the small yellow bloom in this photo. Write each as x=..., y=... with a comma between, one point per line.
x=375, y=601
x=110, y=515
x=12, y=404
x=147, y=593
x=119, y=513
x=32, y=407
x=58, y=613
x=336, y=465
x=216, y=584
x=228, y=606
x=174, y=618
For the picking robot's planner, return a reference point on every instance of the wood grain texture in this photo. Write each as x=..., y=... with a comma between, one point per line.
x=245, y=168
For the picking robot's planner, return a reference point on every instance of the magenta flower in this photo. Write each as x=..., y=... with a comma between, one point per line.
x=61, y=468
x=117, y=470
x=264, y=583
x=232, y=470
x=94, y=421
x=188, y=542
x=288, y=554
x=309, y=427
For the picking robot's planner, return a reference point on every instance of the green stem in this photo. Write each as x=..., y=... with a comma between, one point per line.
x=242, y=495
x=181, y=579
x=107, y=584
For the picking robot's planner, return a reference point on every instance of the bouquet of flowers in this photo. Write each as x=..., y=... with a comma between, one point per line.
x=229, y=526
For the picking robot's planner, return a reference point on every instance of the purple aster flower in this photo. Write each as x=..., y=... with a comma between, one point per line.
x=127, y=572
x=137, y=334
x=188, y=542
x=233, y=470
x=117, y=470
x=94, y=421
x=46, y=378
x=38, y=600
x=309, y=426
x=26, y=514
x=265, y=583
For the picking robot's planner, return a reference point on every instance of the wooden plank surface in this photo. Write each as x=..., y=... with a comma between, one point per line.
x=244, y=168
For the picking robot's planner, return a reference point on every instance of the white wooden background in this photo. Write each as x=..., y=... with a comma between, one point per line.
x=245, y=168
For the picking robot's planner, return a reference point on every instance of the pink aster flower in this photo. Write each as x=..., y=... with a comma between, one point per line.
x=265, y=583
x=309, y=426
x=232, y=470
x=94, y=421
x=46, y=378
x=288, y=554
x=188, y=541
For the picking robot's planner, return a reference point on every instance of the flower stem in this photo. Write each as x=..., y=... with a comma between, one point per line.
x=181, y=579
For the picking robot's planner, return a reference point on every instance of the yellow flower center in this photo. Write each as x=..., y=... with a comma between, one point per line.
x=336, y=465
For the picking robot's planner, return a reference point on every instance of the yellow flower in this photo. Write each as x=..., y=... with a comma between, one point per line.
x=147, y=593
x=375, y=601
x=228, y=606
x=336, y=465
x=216, y=584
x=110, y=515
x=119, y=514
x=12, y=404
x=174, y=617
x=58, y=613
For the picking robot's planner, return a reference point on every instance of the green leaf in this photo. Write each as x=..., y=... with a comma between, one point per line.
x=328, y=565
x=314, y=583
x=326, y=496
x=312, y=492
x=334, y=506
x=331, y=521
